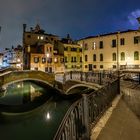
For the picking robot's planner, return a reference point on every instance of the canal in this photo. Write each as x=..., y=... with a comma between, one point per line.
x=32, y=110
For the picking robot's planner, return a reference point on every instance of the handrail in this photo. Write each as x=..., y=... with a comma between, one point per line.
x=86, y=110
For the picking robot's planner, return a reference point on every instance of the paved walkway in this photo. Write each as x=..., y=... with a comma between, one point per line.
x=122, y=125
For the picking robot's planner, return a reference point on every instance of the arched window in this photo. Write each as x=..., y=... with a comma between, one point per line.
x=114, y=56
x=86, y=58
x=136, y=55
x=122, y=56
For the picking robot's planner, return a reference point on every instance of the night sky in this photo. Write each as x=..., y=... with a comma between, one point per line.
x=79, y=18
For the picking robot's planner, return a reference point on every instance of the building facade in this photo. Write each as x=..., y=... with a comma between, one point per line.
x=40, y=50
x=72, y=55
x=111, y=51
x=13, y=57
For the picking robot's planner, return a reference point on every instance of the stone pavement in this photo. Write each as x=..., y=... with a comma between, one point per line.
x=123, y=124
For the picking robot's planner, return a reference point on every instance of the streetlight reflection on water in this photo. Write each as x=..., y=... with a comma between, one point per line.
x=47, y=116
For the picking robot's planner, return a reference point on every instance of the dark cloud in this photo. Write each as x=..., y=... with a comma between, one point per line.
x=80, y=18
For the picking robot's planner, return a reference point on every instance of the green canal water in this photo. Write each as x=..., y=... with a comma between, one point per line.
x=31, y=111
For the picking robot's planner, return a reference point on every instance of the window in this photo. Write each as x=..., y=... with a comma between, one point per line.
x=61, y=60
x=49, y=60
x=136, y=39
x=101, y=57
x=94, y=66
x=94, y=57
x=41, y=37
x=74, y=59
x=101, y=44
x=114, y=43
x=122, y=41
x=50, y=49
x=80, y=49
x=66, y=59
x=43, y=60
x=65, y=48
x=71, y=59
x=122, y=56
x=86, y=58
x=86, y=46
x=114, y=66
x=80, y=59
x=94, y=46
x=29, y=36
x=114, y=56
x=36, y=59
x=86, y=66
x=136, y=55
x=101, y=66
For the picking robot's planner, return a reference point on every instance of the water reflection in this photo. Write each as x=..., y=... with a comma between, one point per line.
x=25, y=93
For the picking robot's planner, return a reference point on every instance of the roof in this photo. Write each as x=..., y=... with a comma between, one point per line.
x=107, y=34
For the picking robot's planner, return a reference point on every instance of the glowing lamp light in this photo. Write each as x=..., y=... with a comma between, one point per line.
x=55, y=59
x=48, y=55
x=18, y=60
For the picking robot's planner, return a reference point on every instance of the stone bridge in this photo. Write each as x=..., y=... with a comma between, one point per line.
x=9, y=77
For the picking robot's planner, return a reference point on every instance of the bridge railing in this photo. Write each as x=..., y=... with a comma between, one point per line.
x=101, y=78
x=85, y=112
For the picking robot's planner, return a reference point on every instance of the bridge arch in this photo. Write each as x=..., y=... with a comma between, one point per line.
x=81, y=85
x=15, y=76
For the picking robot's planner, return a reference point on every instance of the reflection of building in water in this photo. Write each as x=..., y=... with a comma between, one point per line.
x=26, y=93
x=30, y=92
x=34, y=93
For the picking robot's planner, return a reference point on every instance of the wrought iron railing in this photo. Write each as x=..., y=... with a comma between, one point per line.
x=94, y=77
x=76, y=124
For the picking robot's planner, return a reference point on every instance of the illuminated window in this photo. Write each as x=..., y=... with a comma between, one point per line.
x=55, y=60
x=41, y=37
x=43, y=60
x=122, y=56
x=94, y=46
x=136, y=55
x=36, y=59
x=114, y=56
